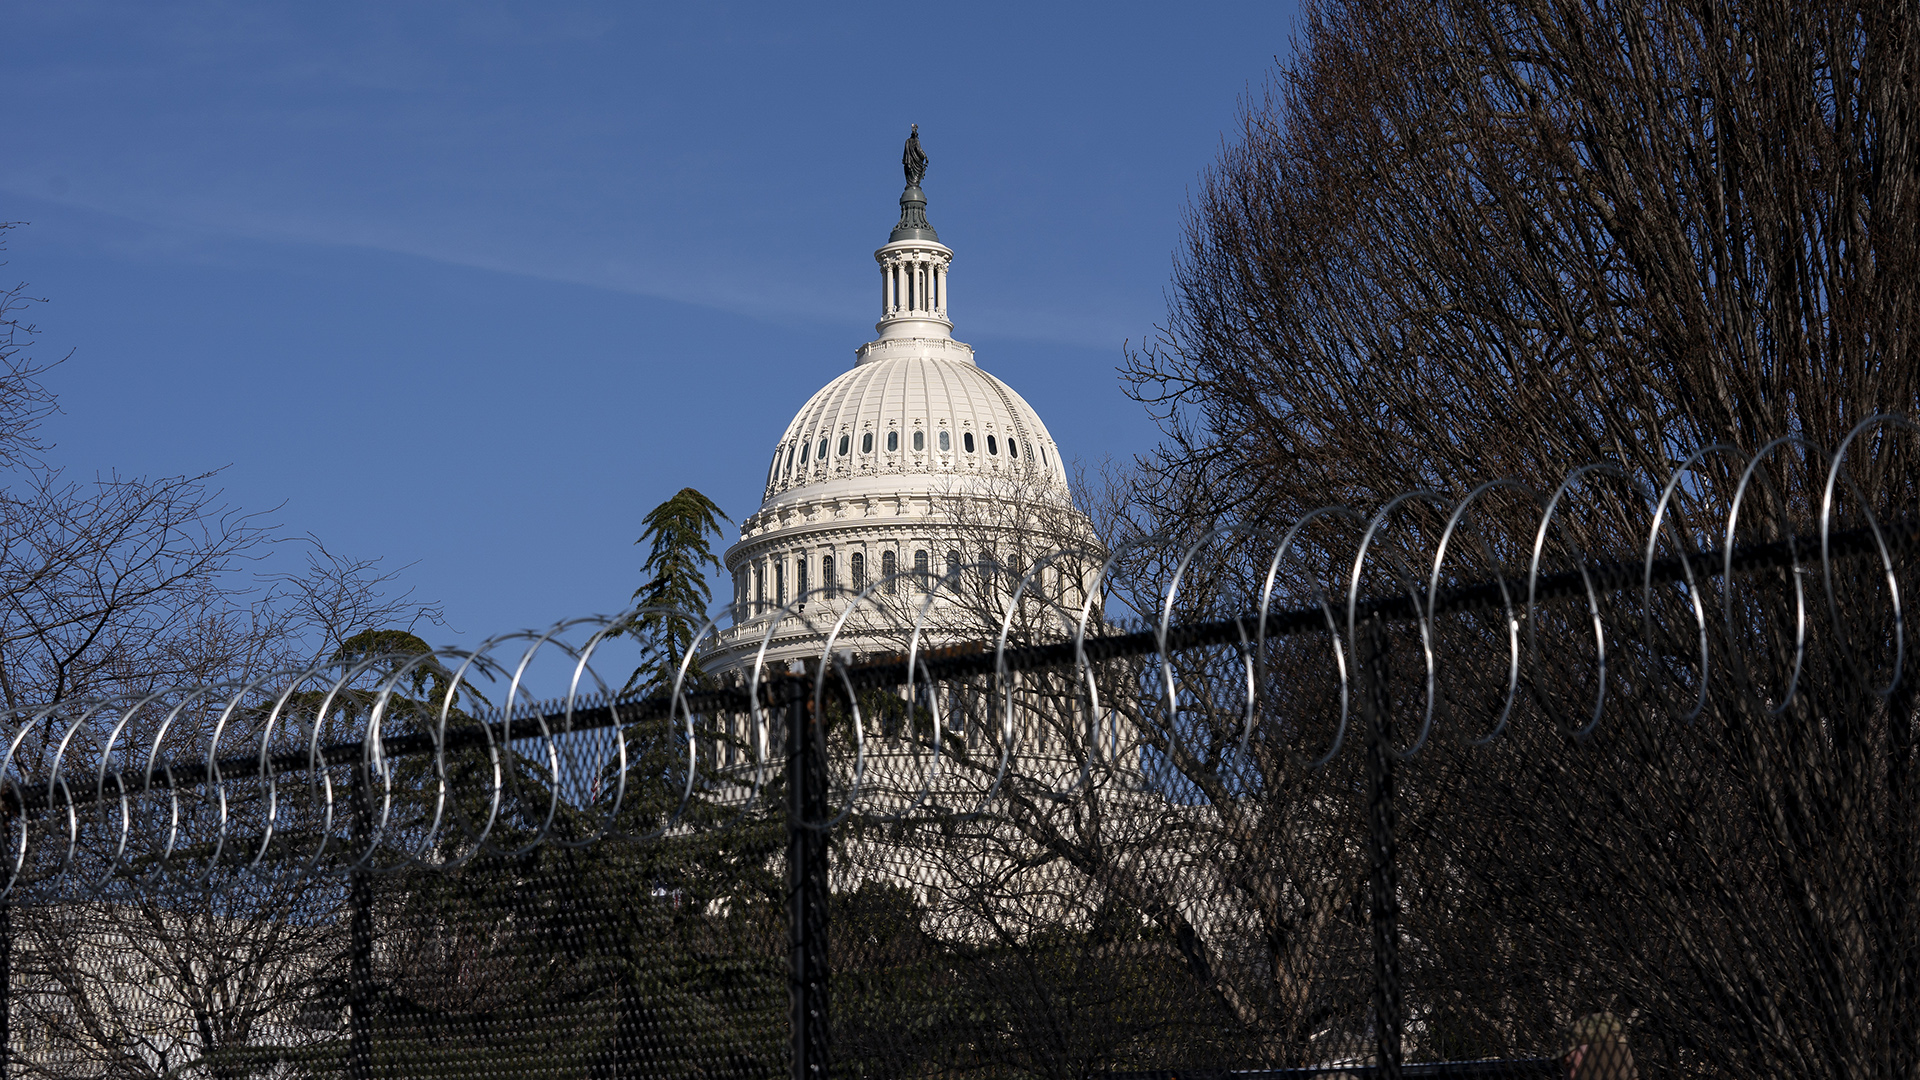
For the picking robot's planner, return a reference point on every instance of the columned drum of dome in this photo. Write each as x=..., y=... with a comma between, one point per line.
x=894, y=464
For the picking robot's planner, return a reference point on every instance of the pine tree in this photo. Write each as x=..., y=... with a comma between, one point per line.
x=674, y=601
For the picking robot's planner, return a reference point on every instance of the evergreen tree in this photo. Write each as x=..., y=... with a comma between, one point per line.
x=675, y=598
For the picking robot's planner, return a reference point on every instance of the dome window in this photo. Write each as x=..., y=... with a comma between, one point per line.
x=827, y=581
x=1013, y=447
x=953, y=566
x=843, y=445
x=804, y=447
x=822, y=452
x=866, y=443
x=789, y=465
x=946, y=443
x=919, y=440
x=857, y=568
x=889, y=566
x=966, y=440
x=993, y=447
x=920, y=567
x=893, y=441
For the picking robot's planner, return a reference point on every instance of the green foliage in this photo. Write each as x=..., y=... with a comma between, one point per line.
x=425, y=681
x=676, y=595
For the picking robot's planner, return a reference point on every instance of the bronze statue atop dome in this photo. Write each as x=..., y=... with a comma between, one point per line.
x=914, y=159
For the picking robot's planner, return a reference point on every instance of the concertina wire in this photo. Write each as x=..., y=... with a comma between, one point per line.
x=308, y=769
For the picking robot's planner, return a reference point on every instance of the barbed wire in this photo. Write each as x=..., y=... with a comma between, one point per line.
x=402, y=761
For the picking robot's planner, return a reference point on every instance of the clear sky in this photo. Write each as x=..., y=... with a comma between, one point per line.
x=472, y=286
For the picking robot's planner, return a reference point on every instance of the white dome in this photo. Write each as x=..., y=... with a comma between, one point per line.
x=882, y=424
x=904, y=470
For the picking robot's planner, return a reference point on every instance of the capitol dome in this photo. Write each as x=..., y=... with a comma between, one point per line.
x=896, y=474
x=913, y=412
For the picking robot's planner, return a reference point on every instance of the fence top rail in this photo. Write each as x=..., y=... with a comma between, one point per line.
x=300, y=732
x=1101, y=642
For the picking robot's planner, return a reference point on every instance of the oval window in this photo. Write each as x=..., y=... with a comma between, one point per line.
x=967, y=441
x=789, y=458
x=919, y=440
x=843, y=445
x=822, y=452
x=992, y=446
x=893, y=441
x=804, y=447
x=1013, y=448
x=866, y=443
x=946, y=443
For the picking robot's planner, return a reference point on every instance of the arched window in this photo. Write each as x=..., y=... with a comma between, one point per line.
x=967, y=441
x=893, y=441
x=866, y=443
x=843, y=445
x=857, y=568
x=759, y=587
x=789, y=459
x=919, y=440
x=780, y=583
x=946, y=442
x=826, y=575
x=804, y=447
x=920, y=568
x=800, y=576
x=1013, y=447
x=889, y=566
x=992, y=446
x=953, y=564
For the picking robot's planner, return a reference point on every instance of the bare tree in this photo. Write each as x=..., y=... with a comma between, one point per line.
x=127, y=592
x=1453, y=242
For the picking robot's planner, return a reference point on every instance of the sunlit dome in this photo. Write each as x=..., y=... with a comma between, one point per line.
x=913, y=412
x=889, y=471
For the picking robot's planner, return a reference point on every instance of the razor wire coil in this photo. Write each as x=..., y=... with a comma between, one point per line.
x=309, y=768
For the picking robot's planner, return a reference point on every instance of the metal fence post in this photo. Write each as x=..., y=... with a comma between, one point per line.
x=807, y=889
x=1382, y=850
x=6, y=989
x=360, y=944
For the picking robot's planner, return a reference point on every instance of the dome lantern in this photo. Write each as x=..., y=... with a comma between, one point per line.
x=913, y=264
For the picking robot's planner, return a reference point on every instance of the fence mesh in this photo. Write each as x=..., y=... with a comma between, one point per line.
x=1650, y=816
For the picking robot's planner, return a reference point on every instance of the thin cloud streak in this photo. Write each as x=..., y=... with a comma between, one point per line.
x=682, y=283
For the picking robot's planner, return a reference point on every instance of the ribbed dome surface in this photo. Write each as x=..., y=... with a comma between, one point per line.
x=896, y=416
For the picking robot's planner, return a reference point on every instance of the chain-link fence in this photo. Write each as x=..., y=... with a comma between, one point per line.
x=1612, y=782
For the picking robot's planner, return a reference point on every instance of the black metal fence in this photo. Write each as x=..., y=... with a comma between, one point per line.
x=1438, y=791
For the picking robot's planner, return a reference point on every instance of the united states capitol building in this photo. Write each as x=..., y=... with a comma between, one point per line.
x=916, y=491
x=908, y=467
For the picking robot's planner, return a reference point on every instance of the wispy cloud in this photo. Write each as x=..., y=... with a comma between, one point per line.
x=774, y=289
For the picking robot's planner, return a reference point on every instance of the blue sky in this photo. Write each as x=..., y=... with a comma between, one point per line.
x=473, y=286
